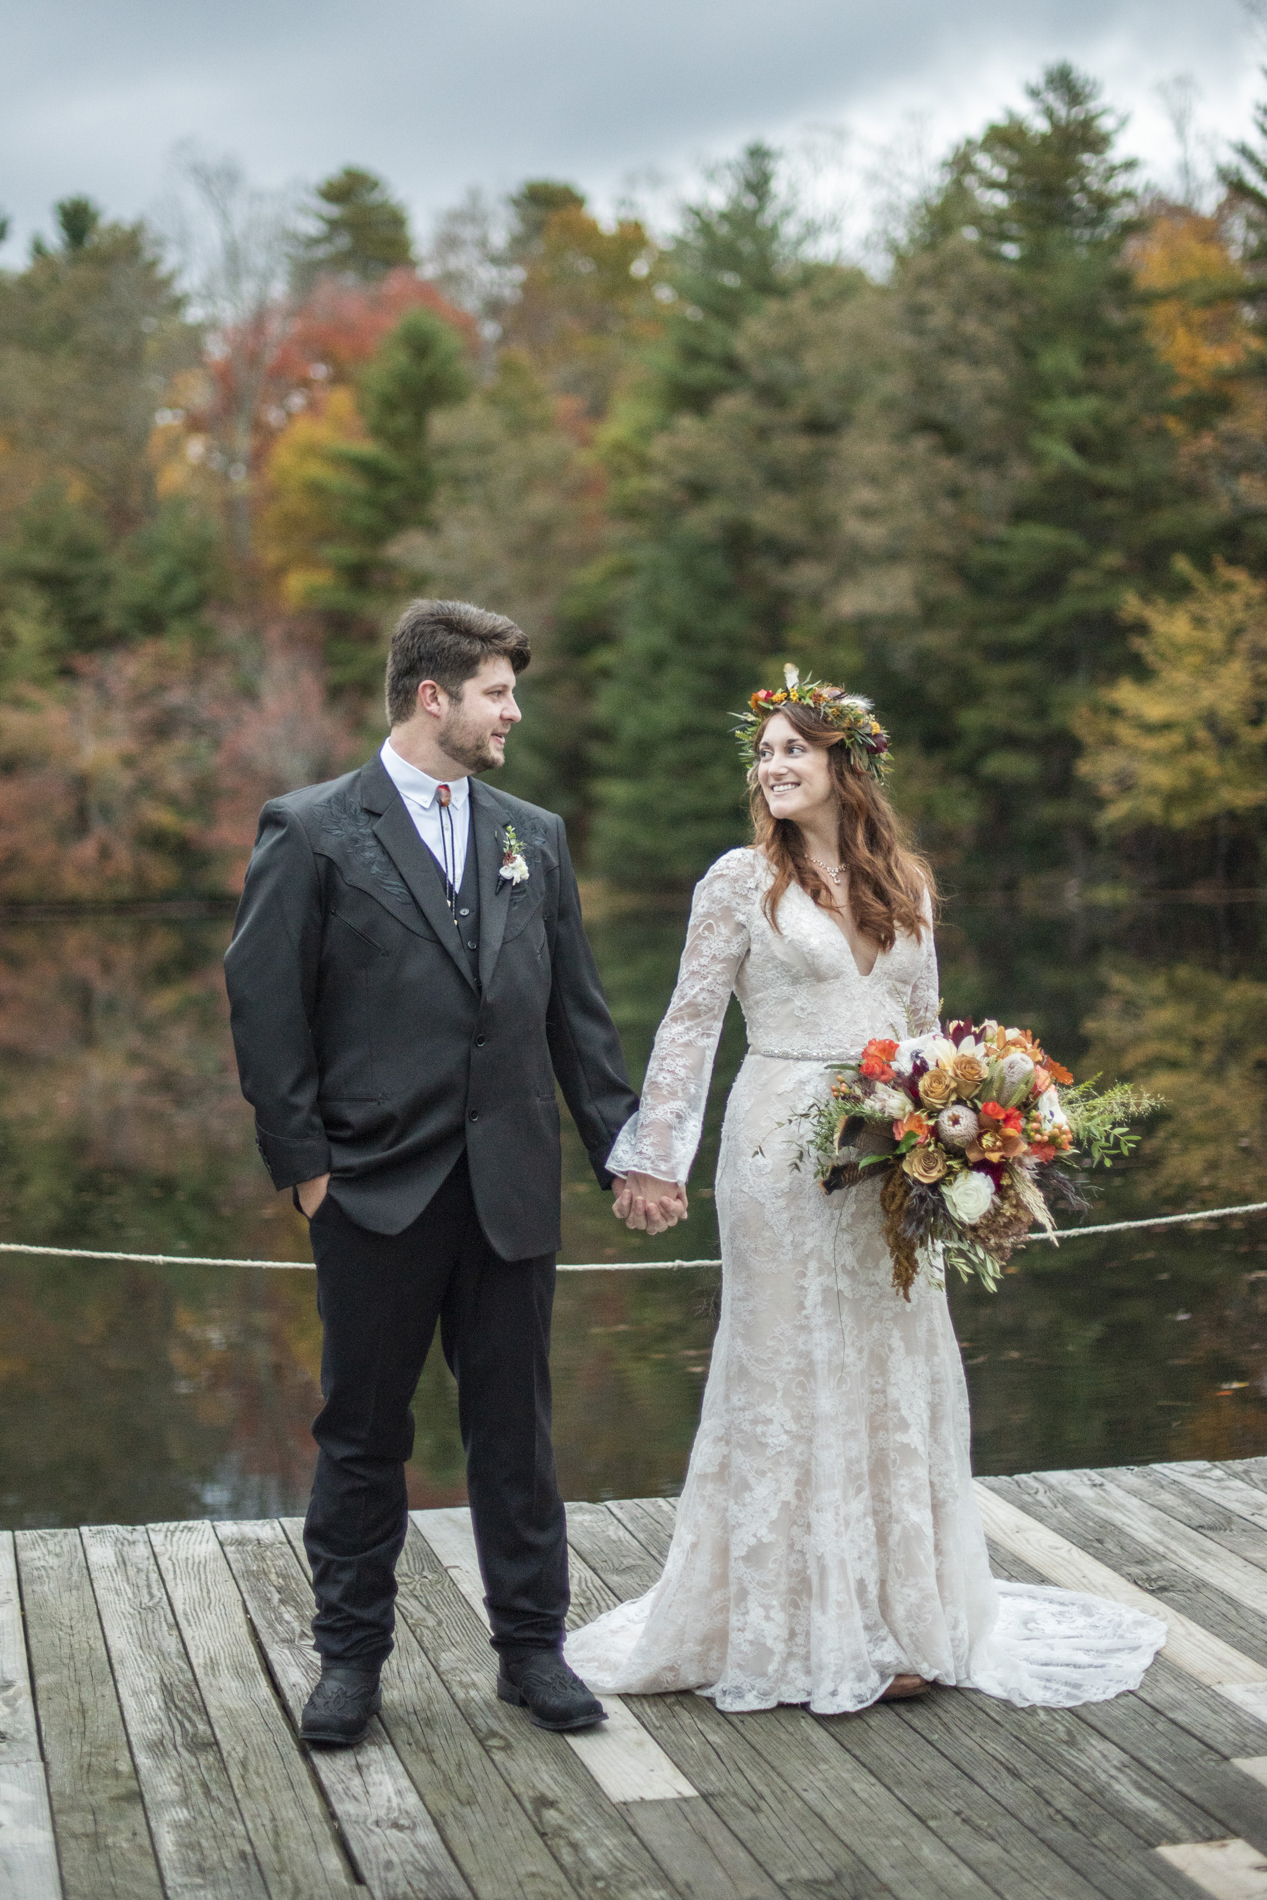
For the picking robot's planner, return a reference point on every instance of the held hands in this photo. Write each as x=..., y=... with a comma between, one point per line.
x=646, y=1204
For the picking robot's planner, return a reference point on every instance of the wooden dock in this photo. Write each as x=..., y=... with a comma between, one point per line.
x=150, y=1679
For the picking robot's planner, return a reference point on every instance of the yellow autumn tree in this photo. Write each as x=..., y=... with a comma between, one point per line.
x=1199, y=1040
x=1200, y=323
x=1201, y=330
x=1186, y=743
x=298, y=517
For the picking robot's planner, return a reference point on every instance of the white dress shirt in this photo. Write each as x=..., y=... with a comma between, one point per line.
x=447, y=846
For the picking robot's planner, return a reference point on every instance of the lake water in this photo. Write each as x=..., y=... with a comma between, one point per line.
x=130, y=1394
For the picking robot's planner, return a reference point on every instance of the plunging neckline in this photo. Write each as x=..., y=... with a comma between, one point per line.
x=864, y=976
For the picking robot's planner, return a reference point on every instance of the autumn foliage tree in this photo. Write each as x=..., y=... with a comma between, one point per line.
x=1182, y=744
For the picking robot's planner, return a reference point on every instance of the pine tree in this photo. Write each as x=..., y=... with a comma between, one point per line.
x=1099, y=505
x=1246, y=181
x=685, y=626
x=362, y=232
x=78, y=219
x=376, y=489
x=90, y=334
x=724, y=264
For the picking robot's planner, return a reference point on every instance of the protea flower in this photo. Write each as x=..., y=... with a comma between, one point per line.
x=1016, y=1076
x=958, y=1125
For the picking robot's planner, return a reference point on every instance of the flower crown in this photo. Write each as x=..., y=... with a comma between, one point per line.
x=862, y=736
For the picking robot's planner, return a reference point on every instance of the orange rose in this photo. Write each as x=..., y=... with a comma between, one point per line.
x=876, y=1059
x=913, y=1124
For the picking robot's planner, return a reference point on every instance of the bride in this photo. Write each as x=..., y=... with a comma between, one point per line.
x=828, y=1548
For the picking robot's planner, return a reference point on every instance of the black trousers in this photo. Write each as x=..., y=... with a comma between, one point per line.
x=380, y=1296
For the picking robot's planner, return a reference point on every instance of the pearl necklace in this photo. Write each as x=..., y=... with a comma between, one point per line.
x=834, y=872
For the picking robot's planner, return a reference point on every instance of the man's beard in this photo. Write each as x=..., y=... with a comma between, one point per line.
x=466, y=745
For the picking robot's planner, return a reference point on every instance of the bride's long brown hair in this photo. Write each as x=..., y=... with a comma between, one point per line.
x=891, y=887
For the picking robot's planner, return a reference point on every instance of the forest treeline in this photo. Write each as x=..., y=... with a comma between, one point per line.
x=1013, y=485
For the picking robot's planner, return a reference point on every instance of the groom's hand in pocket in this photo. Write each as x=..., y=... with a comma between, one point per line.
x=312, y=1193
x=648, y=1205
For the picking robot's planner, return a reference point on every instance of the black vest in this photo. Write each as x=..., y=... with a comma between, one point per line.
x=468, y=903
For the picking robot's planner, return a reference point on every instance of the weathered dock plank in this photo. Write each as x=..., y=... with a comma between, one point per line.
x=28, y=1854
x=1232, y=1515
x=622, y=1757
x=1226, y=1870
x=1209, y=1780
x=199, y=1836
x=490, y=1836
x=286, y=1818
x=28, y=1851
x=1226, y=1485
x=1184, y=1734
x=1144, y=1518
x=393, y=1842
x=1088, y=1803
x=103, y=1841
x=589, y=1836
x=966, y=1816
x=1146, y=1558
x=710, y=1858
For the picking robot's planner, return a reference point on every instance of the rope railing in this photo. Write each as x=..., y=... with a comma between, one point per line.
x=592, y=1266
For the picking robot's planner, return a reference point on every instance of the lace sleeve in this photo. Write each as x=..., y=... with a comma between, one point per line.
x=662, y=1137
x=925, y=1000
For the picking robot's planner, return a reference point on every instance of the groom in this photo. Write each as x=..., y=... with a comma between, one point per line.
x=408, y=976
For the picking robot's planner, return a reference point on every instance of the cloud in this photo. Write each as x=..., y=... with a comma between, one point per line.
x=438, y=97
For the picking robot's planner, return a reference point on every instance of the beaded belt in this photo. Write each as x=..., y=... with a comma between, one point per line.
x=792, y=1055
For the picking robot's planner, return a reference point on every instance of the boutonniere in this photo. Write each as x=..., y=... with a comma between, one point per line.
x=514, y=865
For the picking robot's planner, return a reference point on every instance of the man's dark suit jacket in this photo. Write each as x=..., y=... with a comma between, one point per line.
x=369, y=1049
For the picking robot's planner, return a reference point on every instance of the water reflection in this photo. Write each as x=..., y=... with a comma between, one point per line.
x=133, y=1394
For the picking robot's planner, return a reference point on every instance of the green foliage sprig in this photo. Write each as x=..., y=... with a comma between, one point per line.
x=1101, y=1121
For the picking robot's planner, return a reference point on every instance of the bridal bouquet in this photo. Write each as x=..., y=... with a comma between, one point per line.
x=974, y=1130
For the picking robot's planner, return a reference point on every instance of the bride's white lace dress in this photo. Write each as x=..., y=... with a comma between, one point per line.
x=827, y=1535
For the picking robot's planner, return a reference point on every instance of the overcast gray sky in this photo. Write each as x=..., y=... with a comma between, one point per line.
x=438, y=96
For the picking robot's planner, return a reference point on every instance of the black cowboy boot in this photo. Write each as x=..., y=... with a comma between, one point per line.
x=554, y=1695
x=339, y=1709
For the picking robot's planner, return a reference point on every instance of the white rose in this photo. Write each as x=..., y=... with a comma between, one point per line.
x=968, y=1196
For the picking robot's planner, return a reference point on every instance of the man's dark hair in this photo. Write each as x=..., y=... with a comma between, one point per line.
x=446, y=641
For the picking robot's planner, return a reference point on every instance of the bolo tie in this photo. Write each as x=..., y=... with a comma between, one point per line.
x=448, y=850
